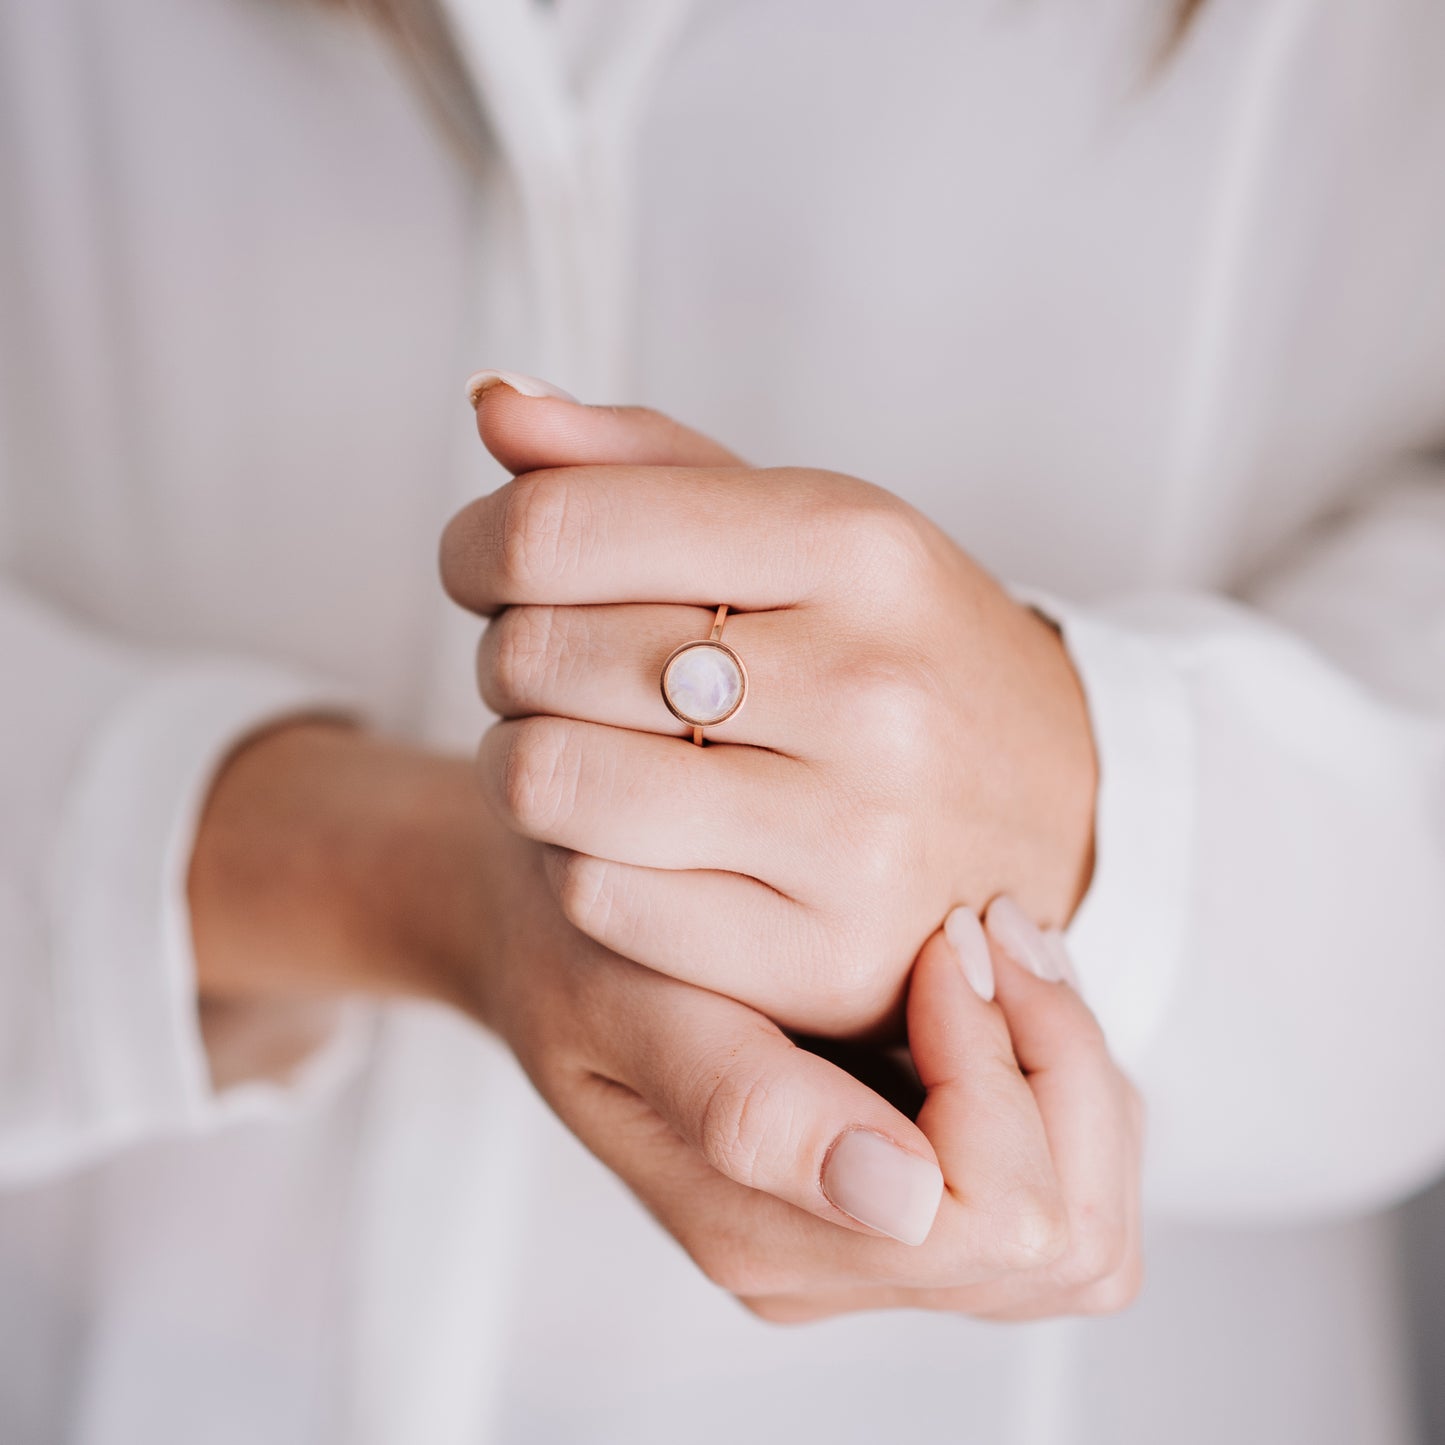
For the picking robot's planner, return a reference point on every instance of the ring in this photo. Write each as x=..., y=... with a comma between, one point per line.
x=704, y=682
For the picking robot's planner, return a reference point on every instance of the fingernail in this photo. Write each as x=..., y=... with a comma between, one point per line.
x=1063, y=963
x=480, y=381
x=880, y=1185
x=1015, y=932
x=966, y=938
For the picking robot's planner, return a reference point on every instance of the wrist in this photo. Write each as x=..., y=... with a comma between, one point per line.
x=331, y=861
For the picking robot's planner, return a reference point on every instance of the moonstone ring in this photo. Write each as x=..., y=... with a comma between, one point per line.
x=704, y=682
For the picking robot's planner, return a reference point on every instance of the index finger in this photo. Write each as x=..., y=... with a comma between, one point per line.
x=1002, y=1209
x=757, y=540
x=1086, y=1105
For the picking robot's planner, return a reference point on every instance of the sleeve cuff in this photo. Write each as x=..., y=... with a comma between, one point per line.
x=122, y=925
x=1129, y=935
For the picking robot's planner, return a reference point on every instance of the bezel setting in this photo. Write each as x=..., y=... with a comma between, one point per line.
x=733, y=658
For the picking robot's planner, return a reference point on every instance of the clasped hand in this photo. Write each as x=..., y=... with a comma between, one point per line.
x=913, y=740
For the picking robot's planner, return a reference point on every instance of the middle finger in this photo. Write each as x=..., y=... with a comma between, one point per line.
x=632, y=797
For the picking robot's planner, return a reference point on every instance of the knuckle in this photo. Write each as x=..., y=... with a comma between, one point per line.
x=849, y=974
x=457, y=555
x=891, y=703
x=740, y=1121
x=885, y=539
x=540, y=775
x=1095, y=1252
x=1035, y=1233
x=1114, y=1294
x=518, y=661
x=586, y=892
x=544, y=526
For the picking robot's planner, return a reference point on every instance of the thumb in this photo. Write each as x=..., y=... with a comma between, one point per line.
x=529, y=425
x=768, y=1114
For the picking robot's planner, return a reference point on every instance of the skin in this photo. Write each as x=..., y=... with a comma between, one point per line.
x=330, y=861
x=913, y=738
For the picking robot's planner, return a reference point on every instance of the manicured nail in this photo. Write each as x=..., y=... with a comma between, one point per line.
x=1016, y=933
x=480, y=381
x=880, y=1185
x=1063, y=963
x=966, y=938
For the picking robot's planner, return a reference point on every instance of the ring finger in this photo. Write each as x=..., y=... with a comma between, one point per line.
x=604, y=664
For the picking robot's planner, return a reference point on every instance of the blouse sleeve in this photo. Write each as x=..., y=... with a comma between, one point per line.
x=109, y=752
x=1264, y=937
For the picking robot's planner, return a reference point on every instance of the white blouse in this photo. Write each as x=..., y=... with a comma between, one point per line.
x=1161, y=341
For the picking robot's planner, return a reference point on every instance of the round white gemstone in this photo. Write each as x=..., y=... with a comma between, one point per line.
x=704, y=683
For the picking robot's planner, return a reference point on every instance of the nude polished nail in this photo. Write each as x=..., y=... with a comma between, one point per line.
x=875, y=1182
x=481, y=381
x=1063, y=960
x=969, y=943
x=1019, y=937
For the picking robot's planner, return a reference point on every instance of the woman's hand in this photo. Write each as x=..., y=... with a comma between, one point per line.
x=912, y=737
x=330, y=861
x=1014, y=1195
x=753, y=1153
